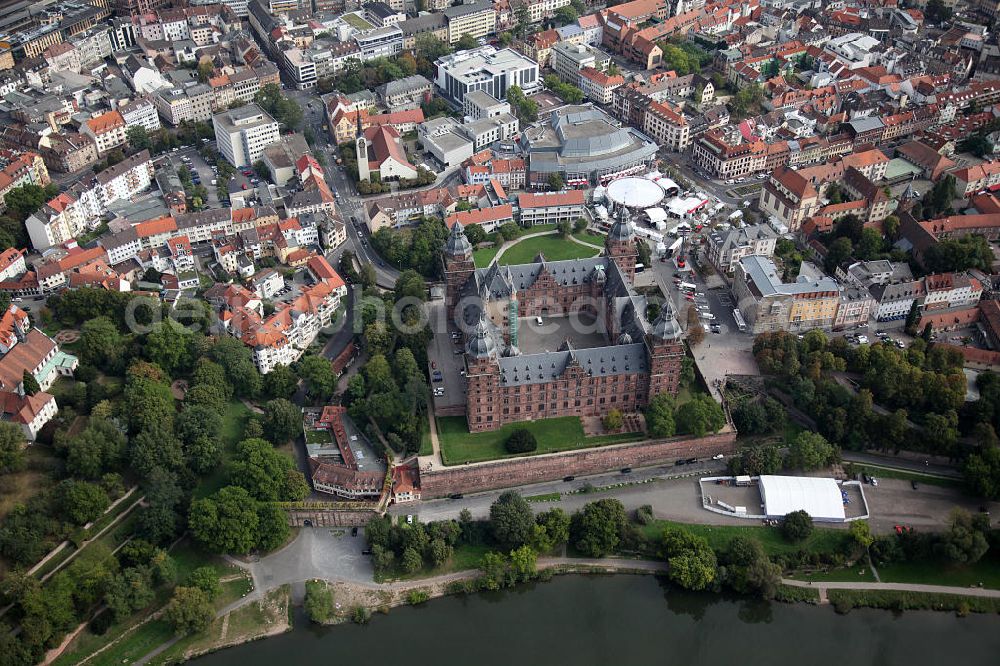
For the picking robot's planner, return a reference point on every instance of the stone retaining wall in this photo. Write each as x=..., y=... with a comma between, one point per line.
x=330, y=517
x=444, y=481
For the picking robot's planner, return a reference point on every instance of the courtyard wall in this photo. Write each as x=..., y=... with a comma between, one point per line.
x=473, y=477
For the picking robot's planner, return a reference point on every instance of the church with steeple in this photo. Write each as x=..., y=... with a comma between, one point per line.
x=639, y=356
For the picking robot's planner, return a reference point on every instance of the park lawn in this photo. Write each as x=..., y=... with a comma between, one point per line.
x=985, y=571
x=822, y=540
x=36, y=476
x=189, y=556
x=484, y=256
x=553, y=247
x=464, y=558
x=889, y=473
x=590, y=238
x=135, y=645
x=859, y=573
x=426, y=446
x=459, y=446
x=234, y=419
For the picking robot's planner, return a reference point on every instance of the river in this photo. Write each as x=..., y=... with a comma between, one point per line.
x=620, y=620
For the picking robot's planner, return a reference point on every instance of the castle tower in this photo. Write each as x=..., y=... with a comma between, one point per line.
x=458, y=266
x=666, y=352
x=482, y=372
x=620, y=244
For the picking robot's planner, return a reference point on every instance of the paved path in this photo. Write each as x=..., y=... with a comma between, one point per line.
x=823, y=586
x=435, y=444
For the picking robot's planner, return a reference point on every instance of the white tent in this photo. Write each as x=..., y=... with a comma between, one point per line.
x=656, y=215
x=820, y=498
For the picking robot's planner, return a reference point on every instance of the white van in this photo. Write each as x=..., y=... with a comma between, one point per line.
x=707, y=315
x=538, y=320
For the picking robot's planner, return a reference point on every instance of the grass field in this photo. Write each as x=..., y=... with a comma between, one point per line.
x=985, y=571
x=718, y=536
x=859, y=573
x=889, y=473
x=233, y=421
x=464, y=558
x=136, y=645
x=459, y=446
x=426, y=447
x=318, y=436
x=553, y=247
x=485, y=255
x=589, y=237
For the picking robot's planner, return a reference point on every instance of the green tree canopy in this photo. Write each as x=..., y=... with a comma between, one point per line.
x=596, y=529
x=511, y=520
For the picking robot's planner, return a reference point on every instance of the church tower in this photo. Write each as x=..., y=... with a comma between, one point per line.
x=361, y=151
x=620, y=244
x=458, y=266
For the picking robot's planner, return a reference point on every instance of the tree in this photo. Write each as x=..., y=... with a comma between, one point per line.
x=226, y=522
x=280, y=382
x=511, y=520
x=660, y=416
x=155, y=448
x=12, y=444
x=808, y=451
x=265, y=473
x=521, y=441
x=700, y=415
x=871, y=245
x=691, y=561
x=565, y=15
x=167, y=346
x=757, y=460
x=964, y=542
x=551, y=530
x=318, y=375
x=273, y=529
x=206, y=579
x=412, y=562
x=493, y=571
x=80, y=502
x=861, y=535
x=282, y=420
x=129, y=591
x=29, y=383
x=912, y=319
x=318, y=602
x=747, y=568
x=24, y=200
x=556, y=182
x=138, y=138
x=982, y=473
x=796, y=526
x=564, y=228
x=96, y=450
x=613, y=420
x=466, y=42
x=839, y=251
x=597, y=528
x=522, y=564
x=189, y=611
x=100, y=342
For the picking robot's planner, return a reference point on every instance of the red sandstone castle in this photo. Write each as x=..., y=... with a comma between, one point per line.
x=638, y=359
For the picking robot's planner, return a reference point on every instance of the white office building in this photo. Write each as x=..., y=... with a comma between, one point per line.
x=243, y=133
x=486, y=69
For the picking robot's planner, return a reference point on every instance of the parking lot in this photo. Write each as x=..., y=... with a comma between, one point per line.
x=445, y=356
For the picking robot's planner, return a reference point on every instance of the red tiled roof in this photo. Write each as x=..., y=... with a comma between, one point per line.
x=106, y=122
x=480, y=216
x=544, y=199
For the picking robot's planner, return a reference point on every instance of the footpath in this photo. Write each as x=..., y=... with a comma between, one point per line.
x=823, y=586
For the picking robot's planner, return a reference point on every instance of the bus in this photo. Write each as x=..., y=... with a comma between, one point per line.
x=687, y=286
x=740, y=324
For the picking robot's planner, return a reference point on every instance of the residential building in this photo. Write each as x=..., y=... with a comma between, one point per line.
x=142, y=112
x=789, y=198
x=726, y=247
x=106, y=130
x=477, y=19
x=406, y=93
x=668, y=126
x=599, y=86
x=768, y=304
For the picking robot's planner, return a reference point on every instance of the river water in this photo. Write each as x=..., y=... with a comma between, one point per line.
x=619, y=620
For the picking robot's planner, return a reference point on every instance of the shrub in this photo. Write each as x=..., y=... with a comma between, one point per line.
x=318, y=602
x=415, y=597
x=361, y=615
x=521, y=441
x=644, y=515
